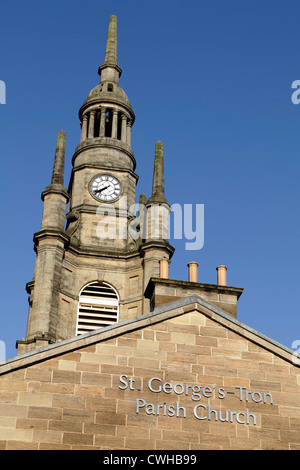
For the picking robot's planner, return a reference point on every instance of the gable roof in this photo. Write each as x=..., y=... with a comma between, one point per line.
x=159, y=314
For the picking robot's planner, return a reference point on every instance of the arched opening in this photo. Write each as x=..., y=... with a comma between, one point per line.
x=98, y=307
x=97, y=124
x=108, y=123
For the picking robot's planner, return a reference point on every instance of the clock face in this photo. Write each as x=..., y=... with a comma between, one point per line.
x=105, y=188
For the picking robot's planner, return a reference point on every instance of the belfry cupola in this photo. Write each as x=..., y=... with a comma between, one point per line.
x=106, y=112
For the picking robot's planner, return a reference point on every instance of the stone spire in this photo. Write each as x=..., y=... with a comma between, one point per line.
x=110, y=70
x=57, y=180
x=59, y=160
x=56, y=196
x=158, y=187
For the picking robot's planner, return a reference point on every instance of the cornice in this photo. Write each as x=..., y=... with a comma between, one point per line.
x=50, y=233
x=191, y=285
x=158, y=244
x=104, y=142
x=56, y=189
x=103, y=252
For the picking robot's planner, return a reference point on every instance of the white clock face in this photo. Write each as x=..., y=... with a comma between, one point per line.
x=105, y=188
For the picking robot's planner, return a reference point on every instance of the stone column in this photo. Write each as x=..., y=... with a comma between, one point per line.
x=128, y=133
x=102, y=122
x=114, y=124
x=91, y=124
x=84, y=128
x=123, y=130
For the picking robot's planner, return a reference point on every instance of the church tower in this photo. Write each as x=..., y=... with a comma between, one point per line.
x=97, y=249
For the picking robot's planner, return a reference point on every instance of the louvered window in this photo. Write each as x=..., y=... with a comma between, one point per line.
x=98, y=307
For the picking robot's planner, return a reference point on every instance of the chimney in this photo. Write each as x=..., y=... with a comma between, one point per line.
x=164, y=268
x=193, y=271
x=222, y=275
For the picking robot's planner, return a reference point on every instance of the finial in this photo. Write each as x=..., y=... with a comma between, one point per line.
x=111, y=44
x=158, y=187
x=110, y=70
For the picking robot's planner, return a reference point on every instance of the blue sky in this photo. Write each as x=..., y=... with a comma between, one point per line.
x=211, y=80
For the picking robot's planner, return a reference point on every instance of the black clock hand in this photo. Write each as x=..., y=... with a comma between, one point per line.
x=102, y=189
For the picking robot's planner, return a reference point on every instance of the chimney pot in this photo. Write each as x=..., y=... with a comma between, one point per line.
x=193, y=271
x=164, y=268
x=222, y=275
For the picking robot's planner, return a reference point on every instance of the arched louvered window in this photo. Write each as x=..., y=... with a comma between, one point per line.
x=98, y=307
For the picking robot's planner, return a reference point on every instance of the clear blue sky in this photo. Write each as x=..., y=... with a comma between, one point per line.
x=212, y=81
